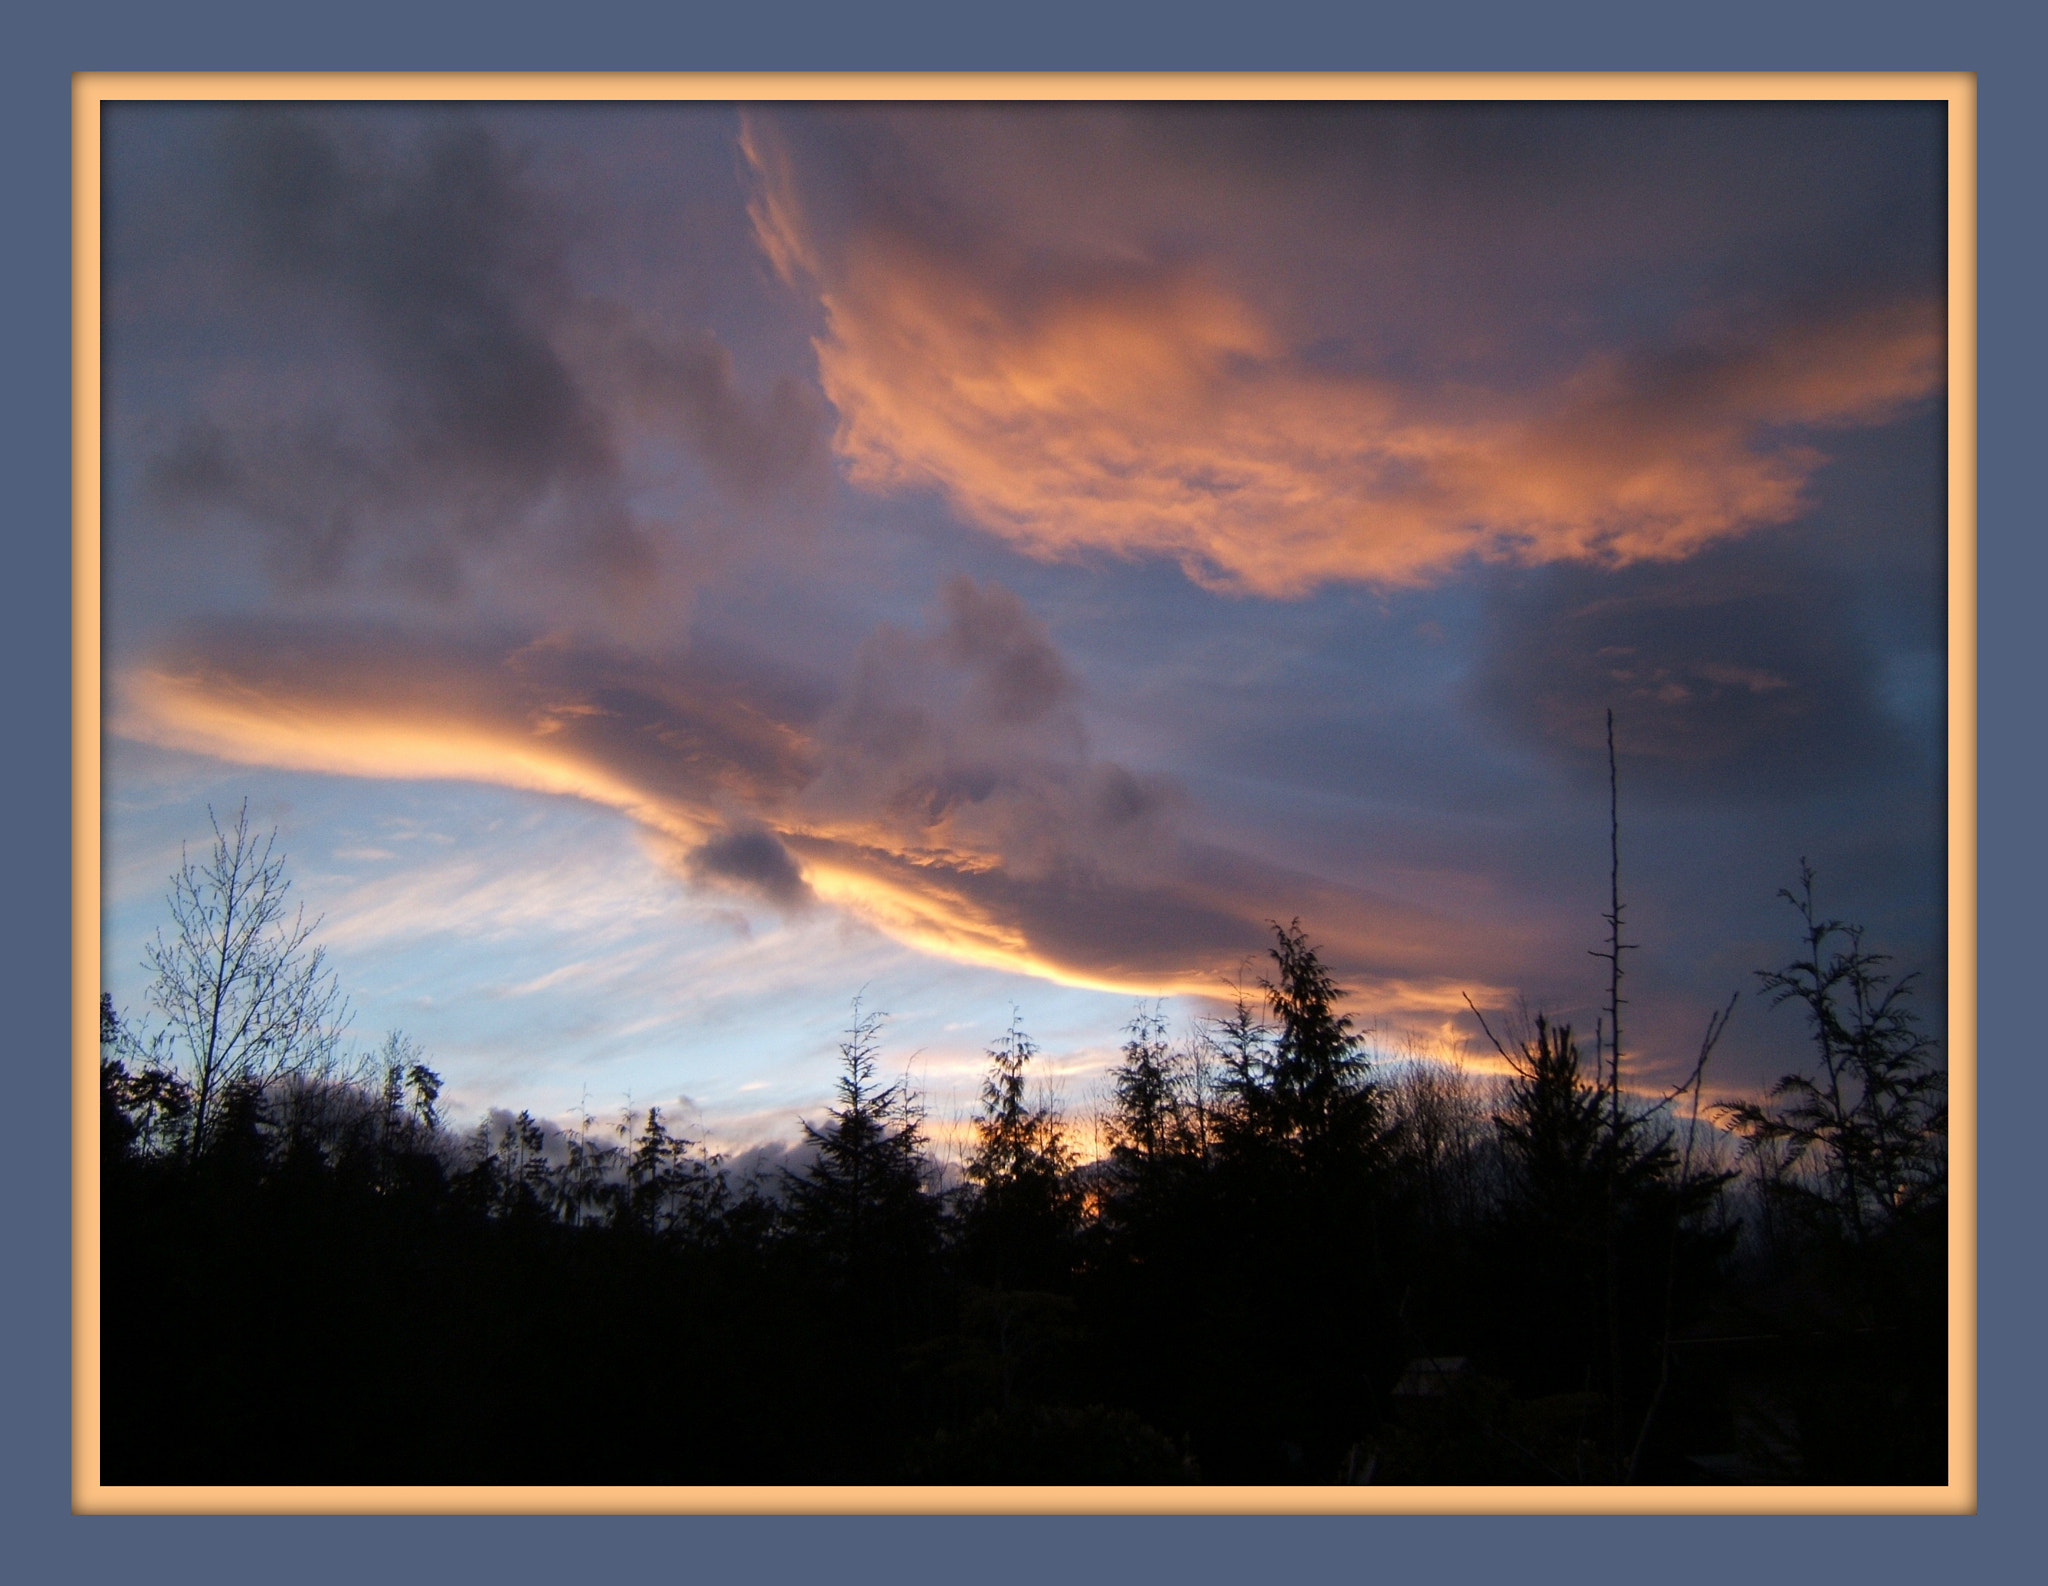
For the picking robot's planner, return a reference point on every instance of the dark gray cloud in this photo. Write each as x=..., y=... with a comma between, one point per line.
x=684, y=378
x=1018, y=677
x=415, y=378
x=967, y=737
x=1741, y=675
x=451, y=267
x=753, y=861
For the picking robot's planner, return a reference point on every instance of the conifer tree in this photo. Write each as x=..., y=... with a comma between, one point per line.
x=145, y=1108
x=1571, y=1165
x=1317, y=1093
x=1028, y=1208
x=669, y=1187
x=1242, y=1044
x=862, y=1201
x=1143, y=1120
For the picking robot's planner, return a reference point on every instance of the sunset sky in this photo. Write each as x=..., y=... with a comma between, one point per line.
x=667, y=569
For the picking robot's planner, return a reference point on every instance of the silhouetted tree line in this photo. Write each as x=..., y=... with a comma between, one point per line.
x=1298, y=1262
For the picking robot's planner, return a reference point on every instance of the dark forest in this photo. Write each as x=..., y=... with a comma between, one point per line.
x=1298, y=1262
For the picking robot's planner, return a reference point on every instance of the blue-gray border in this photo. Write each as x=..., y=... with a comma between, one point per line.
x=1980, y=35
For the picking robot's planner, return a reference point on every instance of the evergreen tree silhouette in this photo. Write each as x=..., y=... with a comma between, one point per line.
x=1144, y=1120
x=862, y=1204
x=1317, y=1095
x=1022, y=1221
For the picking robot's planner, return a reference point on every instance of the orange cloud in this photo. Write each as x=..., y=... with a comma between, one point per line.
x=693, y=760
x=207, y=713
x=1146, y=411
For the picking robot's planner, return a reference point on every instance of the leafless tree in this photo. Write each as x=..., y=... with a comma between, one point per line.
x=1441, y=1119
x=246, y=996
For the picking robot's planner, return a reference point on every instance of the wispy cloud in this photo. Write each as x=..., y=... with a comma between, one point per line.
x=949, y=798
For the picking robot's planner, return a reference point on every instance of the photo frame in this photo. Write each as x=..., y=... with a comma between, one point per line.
x=92, y=91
